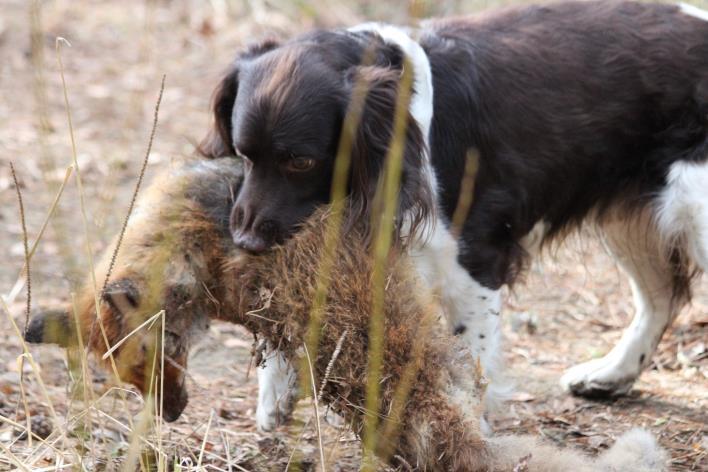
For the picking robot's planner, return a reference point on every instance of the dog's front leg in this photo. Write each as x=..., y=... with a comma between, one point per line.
x=472, y=310
x=276, y=390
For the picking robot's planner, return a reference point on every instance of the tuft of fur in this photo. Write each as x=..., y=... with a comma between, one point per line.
x=635, y=450
x=177, y=256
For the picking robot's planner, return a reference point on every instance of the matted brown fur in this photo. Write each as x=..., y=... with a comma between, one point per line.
x=169, y=260
x=438, y=428
x=177, y=256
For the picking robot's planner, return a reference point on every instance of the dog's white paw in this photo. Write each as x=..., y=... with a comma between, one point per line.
x=599, y=378
x=271, y=415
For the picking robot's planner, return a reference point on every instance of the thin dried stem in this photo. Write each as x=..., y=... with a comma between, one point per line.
x=317, y=412
x=204, y=441
x=25, y=243
x=331, y=362
x=138, y=184
x=22, y=277
x=21, y=360
x=464, y=202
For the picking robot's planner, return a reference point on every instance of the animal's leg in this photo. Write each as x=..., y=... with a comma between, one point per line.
x=637, y=248
x=276, y=390
x=660, y=286
x=472, y=310
x=683, y=210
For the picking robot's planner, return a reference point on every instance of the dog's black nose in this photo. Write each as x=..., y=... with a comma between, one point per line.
x=250, y=242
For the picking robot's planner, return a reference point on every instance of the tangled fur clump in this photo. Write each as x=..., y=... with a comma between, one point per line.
x=437, y=426
x=177, y=256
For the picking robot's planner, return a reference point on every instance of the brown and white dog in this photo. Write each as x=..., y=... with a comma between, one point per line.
x=580, y=112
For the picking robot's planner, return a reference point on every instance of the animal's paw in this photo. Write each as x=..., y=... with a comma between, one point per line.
x=599, y=378
x=277, y=392
x=271, y=414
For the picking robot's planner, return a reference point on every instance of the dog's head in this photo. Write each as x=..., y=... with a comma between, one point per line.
x=281, y=108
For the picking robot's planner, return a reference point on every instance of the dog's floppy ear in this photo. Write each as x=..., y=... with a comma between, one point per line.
x=371, y=145
x=218, y=143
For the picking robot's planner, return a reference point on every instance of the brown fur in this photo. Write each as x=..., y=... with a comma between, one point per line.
x=170, y=253
x=439, y=429
x=177, y=256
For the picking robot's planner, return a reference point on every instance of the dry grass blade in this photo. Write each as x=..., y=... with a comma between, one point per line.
x=387, y=196
x=340, y=184
x=35, y=367
x=391, y=424
x=17, y=462
x=28, y=307
x=464, y=202
x=150, y=320
x=84, y=217
x=317, y=411
x=22, y=278
x=138, y=184
x=82, y=194
x=204, y=441
x=25, y=243
x=330, y=364
x=340, y=180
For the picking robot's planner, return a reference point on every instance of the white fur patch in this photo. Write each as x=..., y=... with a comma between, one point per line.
x=472, y=310
x=276, y=381
x=635, y=451
x=421, y=106
x=682, y=214
x=693, y=11
x=533, y=239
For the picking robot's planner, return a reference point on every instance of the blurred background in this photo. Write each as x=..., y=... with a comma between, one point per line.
x=571, y=307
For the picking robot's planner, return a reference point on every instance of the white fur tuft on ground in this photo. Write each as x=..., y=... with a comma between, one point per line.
x=635, y=451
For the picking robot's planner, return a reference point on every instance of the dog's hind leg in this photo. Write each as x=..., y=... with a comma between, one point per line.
x=683, y=210
x=655, y=279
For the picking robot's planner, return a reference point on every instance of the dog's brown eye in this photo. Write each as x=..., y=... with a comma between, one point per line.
x=300, y=164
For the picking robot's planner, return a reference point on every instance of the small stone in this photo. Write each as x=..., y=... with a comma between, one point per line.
x=41, y=427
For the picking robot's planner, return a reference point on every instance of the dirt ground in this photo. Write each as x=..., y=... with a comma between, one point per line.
x=570, y=307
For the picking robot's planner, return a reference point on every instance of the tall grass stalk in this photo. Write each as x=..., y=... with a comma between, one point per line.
x=82, y=198
x=138, y=185
x=137, y=432
x=22, y=277
x=384, y=225
x=84, y=220
x=28, y=307
x=84, y=377
x=47, y=158
x=464, y=202
x=316, y=412
x=333, y=230
x=33, y=365
x=340, y=185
